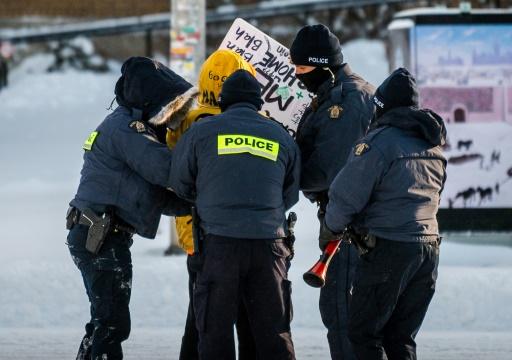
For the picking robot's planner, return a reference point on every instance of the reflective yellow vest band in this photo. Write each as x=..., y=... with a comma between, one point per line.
x=237, y=144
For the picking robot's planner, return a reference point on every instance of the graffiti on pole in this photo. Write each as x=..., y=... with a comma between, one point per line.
x=187, y=37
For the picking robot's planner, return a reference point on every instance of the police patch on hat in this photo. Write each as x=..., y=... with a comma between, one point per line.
x=335, y=111
x=378, y=102
x=138, y=126
x=361, y=148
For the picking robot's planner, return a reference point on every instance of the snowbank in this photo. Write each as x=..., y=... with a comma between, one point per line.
x=368, y=59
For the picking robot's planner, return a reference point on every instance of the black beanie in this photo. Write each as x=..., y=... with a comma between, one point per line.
x=148, y=85
x=316, y=45
x=399, y=89
x=241, y=86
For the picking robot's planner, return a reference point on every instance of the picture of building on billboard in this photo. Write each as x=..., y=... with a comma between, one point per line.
x=464, y=73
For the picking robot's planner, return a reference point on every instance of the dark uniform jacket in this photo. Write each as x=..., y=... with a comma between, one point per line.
x=338, y=117
x=392, y=182
x=128, y=170
x=241, y=170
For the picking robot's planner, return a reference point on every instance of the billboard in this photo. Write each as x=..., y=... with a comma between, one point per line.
x=464, y=73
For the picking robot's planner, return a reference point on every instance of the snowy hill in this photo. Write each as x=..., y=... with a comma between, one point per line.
x=45, y=118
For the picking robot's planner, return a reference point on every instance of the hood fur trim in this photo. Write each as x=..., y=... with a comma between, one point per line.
x=174, y=112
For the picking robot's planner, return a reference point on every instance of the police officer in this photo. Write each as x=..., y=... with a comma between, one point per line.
x=122, y=191
x=242, y=171
x=5, y=56
x=390, y=190
x=338, y=116
x=219, y=65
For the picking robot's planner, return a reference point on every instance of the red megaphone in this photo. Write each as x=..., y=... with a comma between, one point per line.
x=315, y=277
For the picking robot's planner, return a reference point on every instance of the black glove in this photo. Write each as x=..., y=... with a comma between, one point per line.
x=320, y=214
x=326, y=236
x=176, y=206
x=311, y=196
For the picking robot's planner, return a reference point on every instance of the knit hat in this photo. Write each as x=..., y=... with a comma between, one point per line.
x=316, y=45
x=241, y=86
x=399, y=89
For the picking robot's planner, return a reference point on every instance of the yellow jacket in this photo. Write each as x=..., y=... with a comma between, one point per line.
x=214, y=71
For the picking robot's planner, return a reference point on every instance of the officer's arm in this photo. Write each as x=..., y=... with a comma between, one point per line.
x=352, y=188
x=143, y=154
x=184, y=167
x=175, y=206
x=292, y=179
x=330, y=151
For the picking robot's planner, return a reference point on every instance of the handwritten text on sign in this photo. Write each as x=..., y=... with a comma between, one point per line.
x=285, y=96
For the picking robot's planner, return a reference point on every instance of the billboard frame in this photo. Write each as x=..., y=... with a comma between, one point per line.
x=460, y=219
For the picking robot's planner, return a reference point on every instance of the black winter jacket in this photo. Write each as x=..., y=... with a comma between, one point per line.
x=128, y=170
x=392, y=182
x=241, y=170
x=331, y=125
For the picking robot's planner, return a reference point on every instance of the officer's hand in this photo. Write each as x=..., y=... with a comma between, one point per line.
x=177, y=206
x=320, y=214
x=311, y=196
x=326, y=236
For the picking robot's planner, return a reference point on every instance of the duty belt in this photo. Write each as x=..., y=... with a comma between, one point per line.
x=117, y=225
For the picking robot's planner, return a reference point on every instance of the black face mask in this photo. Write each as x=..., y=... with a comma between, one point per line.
x=313, y=79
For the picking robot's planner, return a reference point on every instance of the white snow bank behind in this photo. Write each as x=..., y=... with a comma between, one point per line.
x=368, y=59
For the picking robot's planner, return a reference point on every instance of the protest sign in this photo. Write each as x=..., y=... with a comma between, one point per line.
x=285, y=96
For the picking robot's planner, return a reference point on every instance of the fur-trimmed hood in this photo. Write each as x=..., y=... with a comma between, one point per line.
x=175, y=111
x=152, y=88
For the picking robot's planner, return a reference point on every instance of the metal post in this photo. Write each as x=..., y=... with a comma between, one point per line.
x=187, y=53
x=188, y=23
x=149, y=43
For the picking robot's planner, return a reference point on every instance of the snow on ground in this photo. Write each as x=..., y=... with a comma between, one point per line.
x=43, y=306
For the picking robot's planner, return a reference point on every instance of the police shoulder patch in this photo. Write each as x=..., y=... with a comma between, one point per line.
x=361, y=148
x=138, y=126
x=335, y=111
x=90, y=141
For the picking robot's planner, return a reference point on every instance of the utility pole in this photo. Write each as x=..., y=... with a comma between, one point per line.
x=188, y=25
x=187, y=53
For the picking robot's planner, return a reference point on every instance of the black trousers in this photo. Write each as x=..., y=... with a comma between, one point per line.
x=393, y=286
x=107, y=277
x=336, y=293
x=190, y=340
x=252, y=272
x=335, y=299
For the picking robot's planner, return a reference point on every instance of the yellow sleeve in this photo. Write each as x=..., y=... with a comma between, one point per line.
x=174, y=135
x=184, y=230
x=183, y=223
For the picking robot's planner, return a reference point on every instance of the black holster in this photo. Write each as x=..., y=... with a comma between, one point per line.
x=363, y=241
x=290, y=239
x=99, y=228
